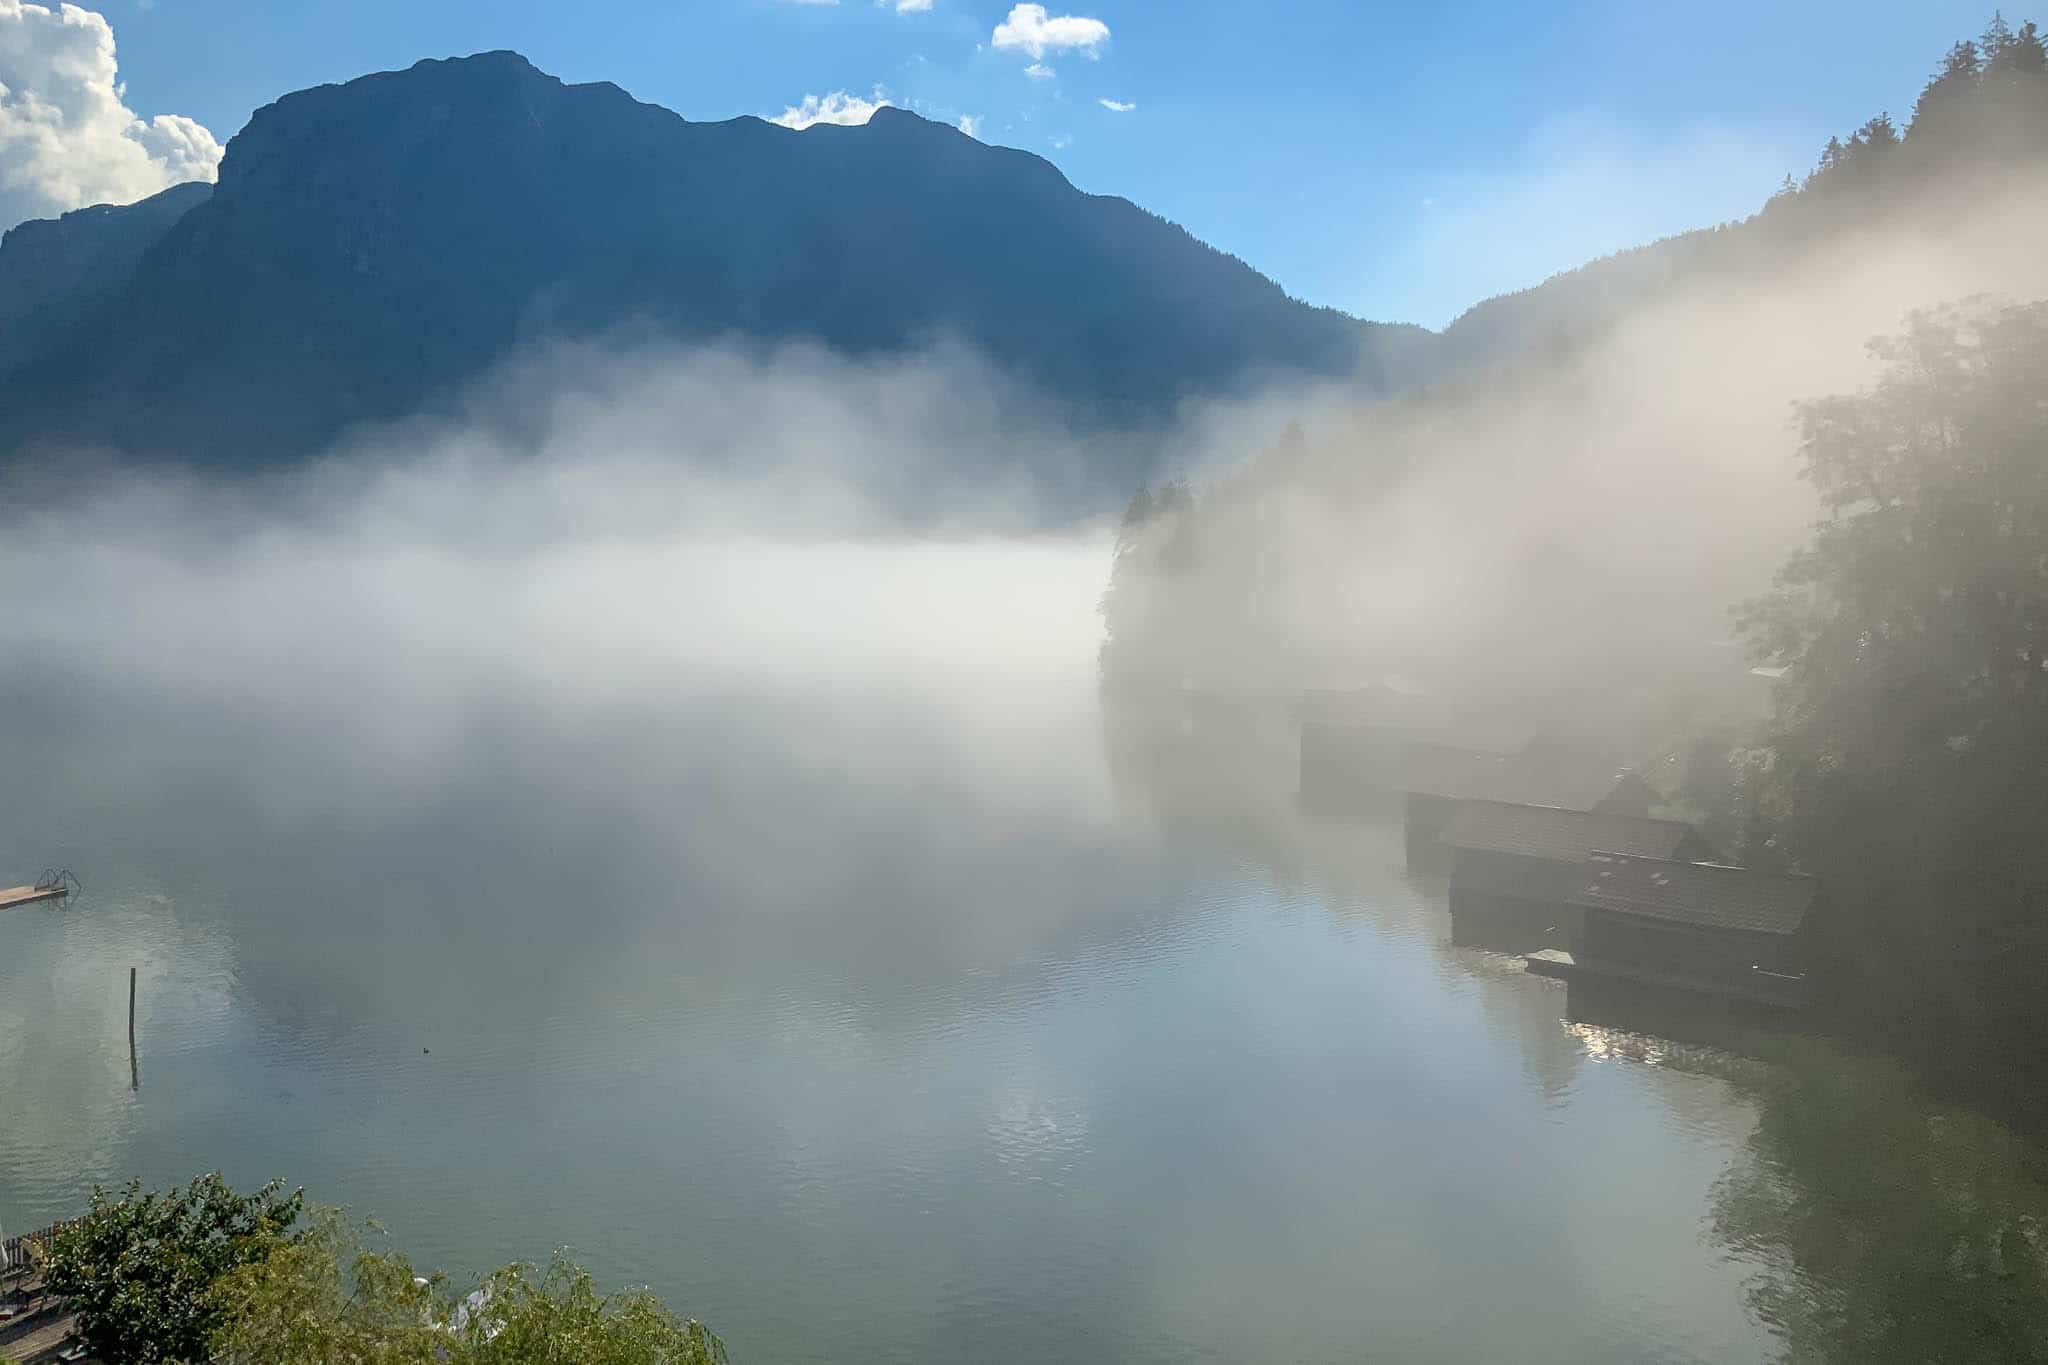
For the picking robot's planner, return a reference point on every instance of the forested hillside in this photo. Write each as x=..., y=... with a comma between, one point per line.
x=1584, y=538
x=1975, y=112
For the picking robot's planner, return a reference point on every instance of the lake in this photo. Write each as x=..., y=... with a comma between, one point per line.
x=863, y=1006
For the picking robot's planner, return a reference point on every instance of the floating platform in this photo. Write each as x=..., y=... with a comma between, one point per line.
x=1767, y=989
x=28, y=895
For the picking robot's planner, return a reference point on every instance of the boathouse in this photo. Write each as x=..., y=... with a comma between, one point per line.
x=1701, y=927
x=1518, y=871
x=1438, y=781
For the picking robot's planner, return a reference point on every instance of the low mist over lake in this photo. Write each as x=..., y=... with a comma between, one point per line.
x=786, y=919
x=763, y=920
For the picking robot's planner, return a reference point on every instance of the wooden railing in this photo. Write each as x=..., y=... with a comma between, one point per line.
x=14, y=1251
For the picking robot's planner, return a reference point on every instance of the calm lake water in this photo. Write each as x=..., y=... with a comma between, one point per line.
x=878, y=1061
x=862, y=1019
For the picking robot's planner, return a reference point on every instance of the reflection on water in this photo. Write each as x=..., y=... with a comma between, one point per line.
x=856, y=1035
x=1885, y=1228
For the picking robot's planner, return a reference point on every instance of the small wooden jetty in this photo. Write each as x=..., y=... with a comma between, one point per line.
x=51, y=886
x=29, y=895
x=1760, y=987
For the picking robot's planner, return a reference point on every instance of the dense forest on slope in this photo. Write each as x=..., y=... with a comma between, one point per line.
x=1562, y=540
x=1975, y=112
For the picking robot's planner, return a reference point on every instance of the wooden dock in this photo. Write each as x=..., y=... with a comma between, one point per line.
x=1768, y=989
x=35, y=1327
x=15, y=896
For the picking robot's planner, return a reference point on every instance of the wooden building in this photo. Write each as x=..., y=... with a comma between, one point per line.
x=1517, y=870
x=1438, y=781
x=1700, y=927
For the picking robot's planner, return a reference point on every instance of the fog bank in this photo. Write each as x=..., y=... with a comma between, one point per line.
x=1564, y=538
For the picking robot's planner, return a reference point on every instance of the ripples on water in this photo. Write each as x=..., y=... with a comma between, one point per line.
x=952, y=1076
x=833, y=973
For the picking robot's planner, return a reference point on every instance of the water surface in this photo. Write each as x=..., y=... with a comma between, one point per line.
x=862, y=1022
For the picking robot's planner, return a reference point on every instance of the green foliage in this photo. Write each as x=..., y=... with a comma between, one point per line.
x=138, y=1267
x=1953, y=82
x=323, y=1297
x=1913, y=725
x=1884, y=1227
x=1716, y=791
x=557, y=1317
x=1986, y=102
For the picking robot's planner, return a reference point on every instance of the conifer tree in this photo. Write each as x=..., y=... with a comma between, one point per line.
x=1956, y=78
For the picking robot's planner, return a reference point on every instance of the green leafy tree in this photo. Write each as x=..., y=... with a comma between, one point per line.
x=557, y=1317
x=138, y=1267
x=1912, y=727
x=323, y=1298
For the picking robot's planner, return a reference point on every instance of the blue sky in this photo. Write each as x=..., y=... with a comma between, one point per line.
x=1400, y=162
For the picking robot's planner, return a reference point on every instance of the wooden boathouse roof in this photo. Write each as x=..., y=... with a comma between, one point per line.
x=1563, y=836
x=1700, y=895
x=1527, y=778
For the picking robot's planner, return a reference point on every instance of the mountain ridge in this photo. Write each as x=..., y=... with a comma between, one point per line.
x=374, y=245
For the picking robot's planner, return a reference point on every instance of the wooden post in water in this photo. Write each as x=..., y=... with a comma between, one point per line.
x=134, y=1071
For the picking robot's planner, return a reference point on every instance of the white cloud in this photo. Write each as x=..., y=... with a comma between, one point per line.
x=67, y=138
x=970, y=124
x=837, y=107
x=1032, y=31
x=907, y=6
x=1039, y=71
x=1061, y=141
x=1117, y=106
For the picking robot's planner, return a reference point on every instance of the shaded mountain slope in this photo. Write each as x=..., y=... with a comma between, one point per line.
x=374, y=244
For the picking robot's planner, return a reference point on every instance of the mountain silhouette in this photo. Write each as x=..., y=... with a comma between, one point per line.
x=373, y=246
